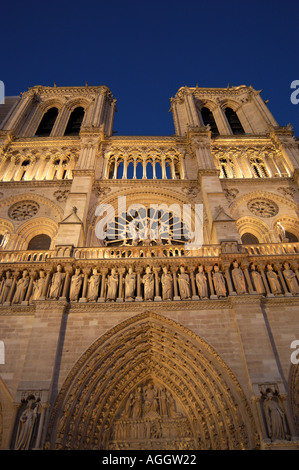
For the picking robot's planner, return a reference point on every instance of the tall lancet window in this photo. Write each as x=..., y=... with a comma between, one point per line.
x=47, y=123
x=208, y=118
x=234, y=121
x=74, y=125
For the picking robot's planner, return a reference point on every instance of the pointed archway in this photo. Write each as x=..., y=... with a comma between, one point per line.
x=150, y=383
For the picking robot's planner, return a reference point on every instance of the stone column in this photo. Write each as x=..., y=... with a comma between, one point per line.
x=211, y=285
x=175, y=283
x=157, y=284
x=193, y=288
x=86, y=272
x=139, y=296
x=46, y=285
x=121, y=272
x=65, y=293
x=261, y=269
x=226, y=266
x=245, y=265
x=278, y=267
x=104, y=272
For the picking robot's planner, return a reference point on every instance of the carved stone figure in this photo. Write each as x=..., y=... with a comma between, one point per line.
x=275, y=418
x=291, y=279
x=238, y=278
x=26, y=425
x=112, y=284
x=76, y=283
x=150, y=400
x=56, y=284
x=7, y=283
x=201, y=282
x=257, y=280
x=93, y=286
x=219, y=282
x=38, y=286
x=167, y=284
x=149, y=284
x=184, y=284
x=273, y=280
x=137, y=404
x=22, y=285
x=130, y=284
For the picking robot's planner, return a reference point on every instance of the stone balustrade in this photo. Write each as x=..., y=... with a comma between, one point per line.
x=165, y=273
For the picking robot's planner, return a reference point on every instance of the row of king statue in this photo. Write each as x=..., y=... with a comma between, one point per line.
x=147, y=284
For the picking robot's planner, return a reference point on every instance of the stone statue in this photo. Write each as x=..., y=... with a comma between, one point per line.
x=275, y=418
x=150, y=400
x=291, y=279
x=184, y=284
x=167, y=284
x=238, y=279
x=93, y=286
x=76, y=283
x=38, y=286
x=149, y=284
x=22, y=285
x=201, y=282
x=273, y=281
x=56, y=284
x=257, y=280
x=137, y=404
x=26, y=425
x=130, y=284
x=112, y=284
x=7, y=283
x=219, y=282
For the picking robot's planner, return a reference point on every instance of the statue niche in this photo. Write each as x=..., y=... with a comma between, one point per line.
x=151, y=417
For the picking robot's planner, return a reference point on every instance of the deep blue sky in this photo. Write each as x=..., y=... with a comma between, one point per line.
x=145, y=51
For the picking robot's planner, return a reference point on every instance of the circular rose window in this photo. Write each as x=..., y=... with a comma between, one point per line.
x=262, y=207
x=23, y=210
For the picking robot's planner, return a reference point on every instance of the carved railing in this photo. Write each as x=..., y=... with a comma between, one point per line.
x=144, y=273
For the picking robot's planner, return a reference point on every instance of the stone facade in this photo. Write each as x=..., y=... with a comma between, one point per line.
x=141, y=340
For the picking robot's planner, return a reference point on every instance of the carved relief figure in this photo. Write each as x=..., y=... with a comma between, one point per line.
x=26, y=425
x=7, y=283
x=93, y=286
x=130, y=284
x=149, y=284
x=219, y=282
x=76, y=283
x=137, y=404
x=201, y=282
x=273, y=280
x=38, y=286
x=184, y=284
x=112, y=284
x=239, y=279
x=291, y=279
x=167, y=283
x=275, y=418
x=257, y=280
x=22, y=285
x=56, y=284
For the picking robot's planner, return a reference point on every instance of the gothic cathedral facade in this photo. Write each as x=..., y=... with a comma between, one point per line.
x=116, y=330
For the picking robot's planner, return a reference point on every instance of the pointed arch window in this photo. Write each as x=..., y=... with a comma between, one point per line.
x=46, y=125
x=208, y=118
x=258, y=168
x=74, y=125
x=234, y=121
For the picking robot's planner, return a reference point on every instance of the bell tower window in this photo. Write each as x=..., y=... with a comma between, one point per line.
x=234, y=122
x=74, y=125
x=47, y=123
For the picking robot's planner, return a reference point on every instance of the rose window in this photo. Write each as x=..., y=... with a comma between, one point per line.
x=262, y=207
x=23, y=210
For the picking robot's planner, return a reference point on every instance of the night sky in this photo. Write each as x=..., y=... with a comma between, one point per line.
x=145, y=51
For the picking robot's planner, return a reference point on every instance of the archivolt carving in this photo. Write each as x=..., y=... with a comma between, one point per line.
x=206, y=408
